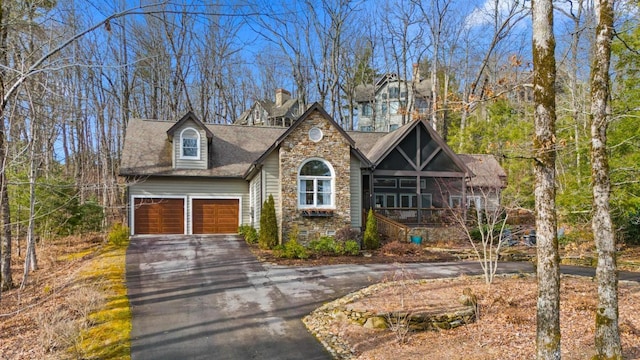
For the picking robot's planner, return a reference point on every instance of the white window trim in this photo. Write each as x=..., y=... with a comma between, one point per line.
x=315, y=179
x=477, y=201
x=458, y=198
x=385, y=197
x=411, y=198
x=182, y=155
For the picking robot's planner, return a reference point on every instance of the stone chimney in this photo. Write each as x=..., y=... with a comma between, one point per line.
x=282, y=96
x=416, y=72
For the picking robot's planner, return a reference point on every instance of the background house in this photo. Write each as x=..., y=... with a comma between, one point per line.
x=392, y=101
x=283, y=112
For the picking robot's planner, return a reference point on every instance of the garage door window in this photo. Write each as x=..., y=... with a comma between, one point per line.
x=190, y=140
x=315, y=184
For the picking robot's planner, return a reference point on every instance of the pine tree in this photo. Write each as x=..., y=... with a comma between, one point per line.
x=268, y=225
x=371, y=239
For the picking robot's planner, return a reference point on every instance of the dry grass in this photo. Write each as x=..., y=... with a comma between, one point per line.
x=78, y=289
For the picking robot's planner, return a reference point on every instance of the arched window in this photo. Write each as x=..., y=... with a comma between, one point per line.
x=190, y=144
x=316, y=181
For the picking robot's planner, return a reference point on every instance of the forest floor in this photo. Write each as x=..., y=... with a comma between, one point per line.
x=74, y=306
x=45, y=319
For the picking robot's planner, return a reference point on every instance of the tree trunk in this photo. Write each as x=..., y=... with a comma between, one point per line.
x=607, y=337
x=544, y=68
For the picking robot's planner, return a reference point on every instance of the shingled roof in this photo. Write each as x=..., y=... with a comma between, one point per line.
x=147, y=149
x=487, y=170
x=235, y=149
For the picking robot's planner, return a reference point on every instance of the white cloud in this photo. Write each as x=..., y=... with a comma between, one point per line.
x=492, y=12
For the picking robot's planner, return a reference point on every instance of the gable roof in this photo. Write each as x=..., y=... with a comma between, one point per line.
x=487, y=170
x=147, y=149
x=314, y=107
x=189, y=116
x=390, y=141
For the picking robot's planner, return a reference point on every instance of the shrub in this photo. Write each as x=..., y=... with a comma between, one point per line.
x=294, y=232
x=268, y=236
x=371, y=239
x=118, y=235
x=291, y=250
x=325, y=245
x=346, y=233
x=351, y=248
x=249, y=233
x=328, y=246
x=401, y=248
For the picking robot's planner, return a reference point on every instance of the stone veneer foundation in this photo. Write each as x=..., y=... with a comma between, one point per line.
x=294, y=150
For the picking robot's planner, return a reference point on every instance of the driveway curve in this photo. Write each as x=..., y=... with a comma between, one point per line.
x=207, y=297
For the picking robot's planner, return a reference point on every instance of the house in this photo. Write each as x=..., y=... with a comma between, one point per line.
x=283, y=112
x=187, y=177
x=392, y=101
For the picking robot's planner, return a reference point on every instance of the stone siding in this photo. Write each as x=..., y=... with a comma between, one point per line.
x=294, y=150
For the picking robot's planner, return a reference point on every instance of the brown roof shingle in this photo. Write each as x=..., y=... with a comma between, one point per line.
x=487, y=170
x=147, y=149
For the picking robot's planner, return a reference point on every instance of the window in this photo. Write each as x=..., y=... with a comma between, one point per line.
x=410, y=183
x=385, y=183
x=367, y=110
x=408, y=201
x=394, y=107
x=393, y=127
x=315, y=184
x=475, y=201
x=190, y=144
x=368, y=128
x=394, y=92
x=426, y=201
x=455, y=201
x=385, y=200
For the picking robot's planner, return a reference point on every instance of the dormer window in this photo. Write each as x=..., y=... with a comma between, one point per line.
x=190, y=144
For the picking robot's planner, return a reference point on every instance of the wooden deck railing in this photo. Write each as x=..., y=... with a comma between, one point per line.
x=428, y=217
x=391, y=229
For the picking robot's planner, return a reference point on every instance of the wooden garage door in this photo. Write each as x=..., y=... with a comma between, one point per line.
x=215, y=216
x=159, y=216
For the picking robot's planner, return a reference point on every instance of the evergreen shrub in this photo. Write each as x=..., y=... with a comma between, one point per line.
x=371, y=239
x=268, y=235
x=118, y=235
x=249, y=233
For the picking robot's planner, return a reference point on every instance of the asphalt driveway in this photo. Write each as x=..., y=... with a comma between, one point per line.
x=207, y=297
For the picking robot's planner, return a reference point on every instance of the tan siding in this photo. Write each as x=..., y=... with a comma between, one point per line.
x=272, y=183
x=355, y=183
x=186, y=163
x=255, y=189
x=195, y=188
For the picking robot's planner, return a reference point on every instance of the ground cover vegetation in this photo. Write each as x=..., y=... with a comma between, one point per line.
x=75, y=306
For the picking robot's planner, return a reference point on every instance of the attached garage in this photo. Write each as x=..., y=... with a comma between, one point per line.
x=215, y=216
x=158, y=216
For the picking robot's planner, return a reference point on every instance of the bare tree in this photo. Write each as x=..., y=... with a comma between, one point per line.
x=502, y=24
x=484, y=225
x=544, y=145
x=607, y=337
